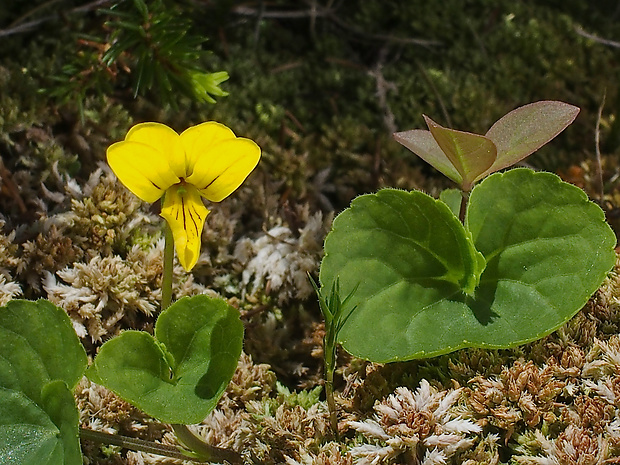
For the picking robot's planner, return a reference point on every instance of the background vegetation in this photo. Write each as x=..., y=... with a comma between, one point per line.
x=320, y=85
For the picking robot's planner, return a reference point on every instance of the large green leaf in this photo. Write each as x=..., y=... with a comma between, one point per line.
x=546, y=246
x=179, y=375
x=406, y=250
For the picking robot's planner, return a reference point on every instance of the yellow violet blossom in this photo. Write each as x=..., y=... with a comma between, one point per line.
x=206, y=160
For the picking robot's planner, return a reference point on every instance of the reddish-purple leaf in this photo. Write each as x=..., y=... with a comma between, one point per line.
x=422, y=143
x=471, y=154
x=526, y=129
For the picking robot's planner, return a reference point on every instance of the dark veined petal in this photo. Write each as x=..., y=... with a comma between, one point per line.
x=186, y=214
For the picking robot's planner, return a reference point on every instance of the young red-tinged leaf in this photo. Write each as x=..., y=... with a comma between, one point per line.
x=422, y=143
x=526, y=129
x=471, y=154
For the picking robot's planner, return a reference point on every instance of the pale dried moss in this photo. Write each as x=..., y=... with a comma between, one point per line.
x=110, y=293
x=104, y=216
x=49, y=252
x=522, y=392
x=99, y=294
x=8, y=252
x=280, y=259
x=574, y=446
x=420, y=427
x=9, y=289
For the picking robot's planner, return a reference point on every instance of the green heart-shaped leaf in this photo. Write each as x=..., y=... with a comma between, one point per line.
x=40, y=355
x=27, y=434
x=37, y=345
x=547, y=249
x=178, y=376
x=30, y=434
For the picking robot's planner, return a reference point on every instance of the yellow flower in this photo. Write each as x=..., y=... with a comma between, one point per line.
x=206, y=160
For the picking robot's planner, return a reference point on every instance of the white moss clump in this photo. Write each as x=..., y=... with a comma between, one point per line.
x=98, y=294
x=279, y=260
x=8, y=290
x=423, y=425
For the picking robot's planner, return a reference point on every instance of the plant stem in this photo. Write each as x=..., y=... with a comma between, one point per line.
x=331, y=403
x=463, y=209
x=166, y=281
x=132, y=443
x=204, y=451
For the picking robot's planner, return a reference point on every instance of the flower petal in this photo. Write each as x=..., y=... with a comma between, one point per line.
x=163, y=139
x=200, y=138
x=142, y=168
x=222, y=167
x=185, y=213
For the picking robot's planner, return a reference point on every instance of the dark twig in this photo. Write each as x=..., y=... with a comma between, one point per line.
x=587, y=35
x=277, y=14
x=435, y=91
x=382, y=89
x=315, y=12
x=597, y=142
x=18, y=27
x=32, y=12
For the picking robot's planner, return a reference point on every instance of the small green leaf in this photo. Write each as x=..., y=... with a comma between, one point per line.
x=422, y=143
x=452, y=198
x=178, y=376
x=526, y=129
x=30, y=434
x=27, y=434
x=37, y=345
x=547, y=249
x=40, y=355
x=471, y=154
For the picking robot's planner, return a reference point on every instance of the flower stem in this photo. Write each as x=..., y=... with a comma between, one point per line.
x=204, y=451
x=198, y=449
x=166, y=282
x=127, y=442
